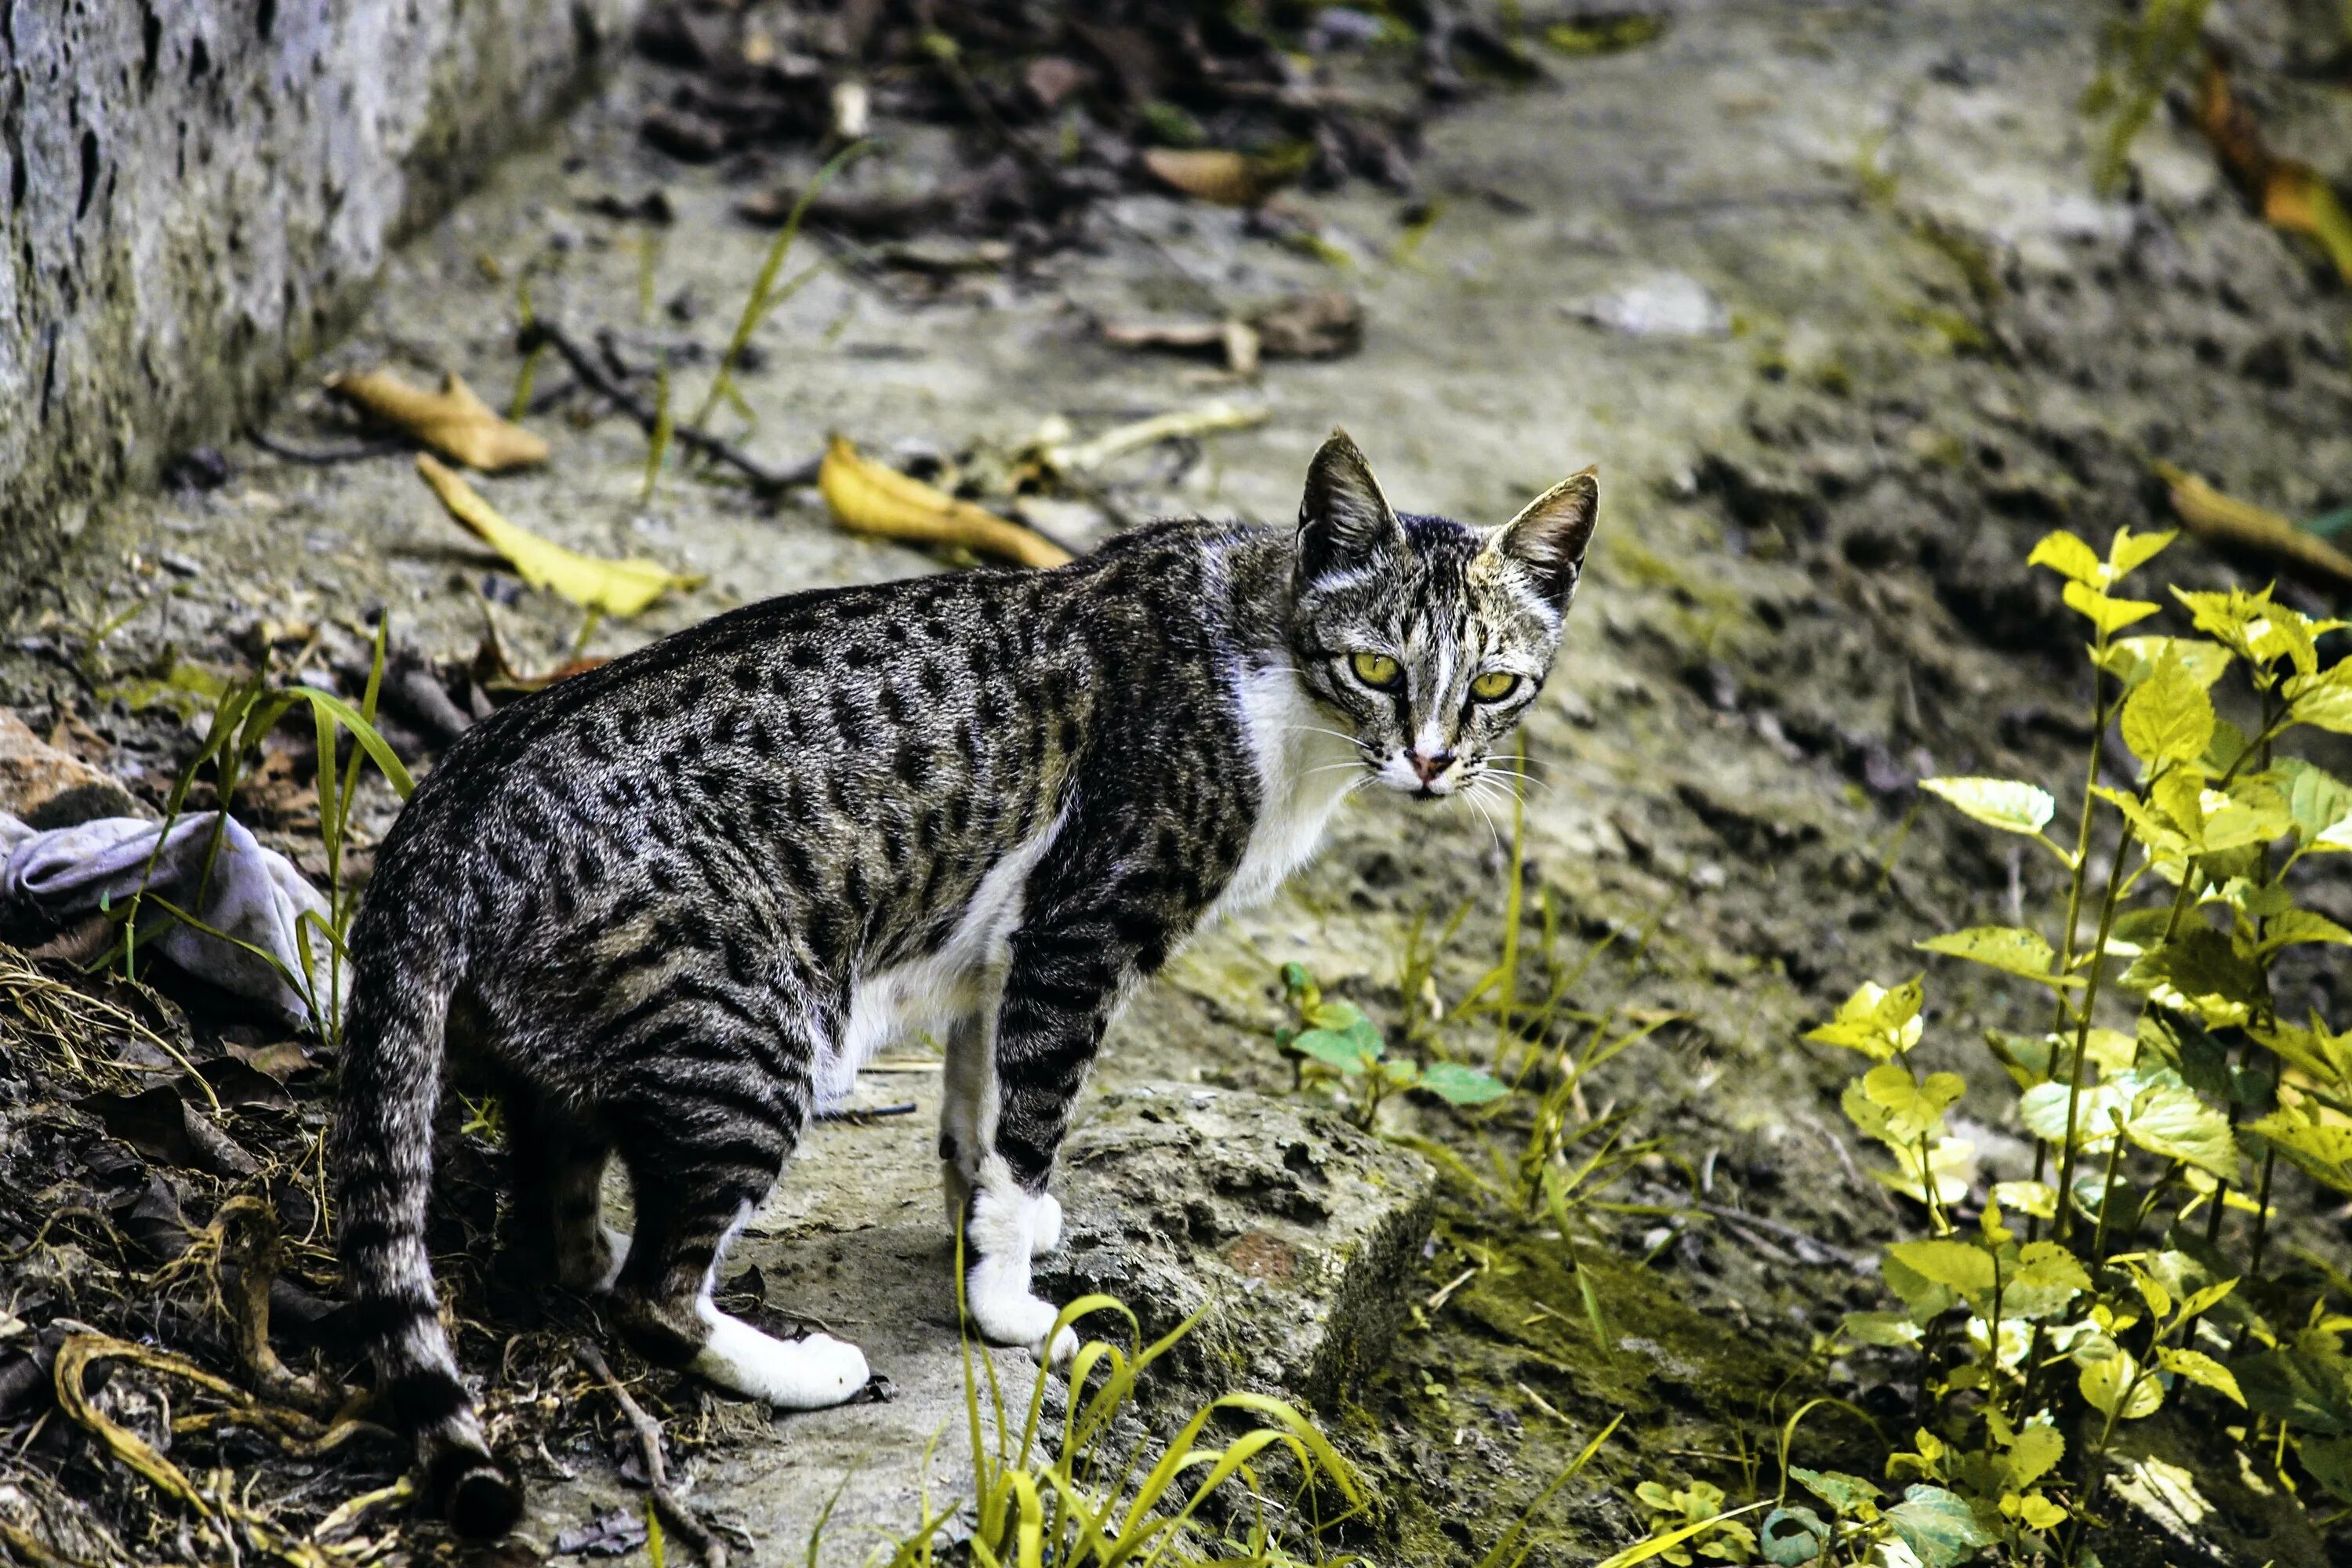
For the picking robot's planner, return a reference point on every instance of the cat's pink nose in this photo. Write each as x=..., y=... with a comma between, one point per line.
x=1428, y=768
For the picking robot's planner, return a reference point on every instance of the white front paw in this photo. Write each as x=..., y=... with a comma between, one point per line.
x=1046, y=1223
x=1006, y=1313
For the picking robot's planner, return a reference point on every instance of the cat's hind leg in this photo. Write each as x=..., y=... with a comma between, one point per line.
x=558, y=1218
x=707, y=1130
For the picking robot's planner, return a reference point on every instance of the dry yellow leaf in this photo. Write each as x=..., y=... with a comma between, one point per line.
x=1229, y=179
x=2226, y=520
x=2298, y=200
x=867, y=497
x=2291, y=195
x=452, y=421
x=614, y=587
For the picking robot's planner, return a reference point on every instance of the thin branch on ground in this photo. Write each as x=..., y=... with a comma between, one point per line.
x=358, y=453
x=585, y=365
x=674, y=1512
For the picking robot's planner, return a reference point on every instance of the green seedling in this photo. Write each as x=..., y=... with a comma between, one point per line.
x=1334, y=1040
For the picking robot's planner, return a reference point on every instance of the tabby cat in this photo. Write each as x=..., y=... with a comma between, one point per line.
x=667, y=908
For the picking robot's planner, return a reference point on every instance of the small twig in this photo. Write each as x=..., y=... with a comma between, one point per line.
x=674, y=1513
x=1544, y=1405
x=1740, y=1219
x=866, y=1113
x=355, y=454
x=1803, y=1239
x=771, y=482
x=1860, y=1182
x=246, y=1239
x=1729, y=1219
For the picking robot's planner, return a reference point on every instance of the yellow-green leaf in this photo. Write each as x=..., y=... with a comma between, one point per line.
x=2129, y=552
x=2167, y=1118
x=2043, y=1108
x=2202, y=1370
x=1913, y=1110
x=2322, y=1148
x=2034, y=1454
x=2039, y=1199
x=2168, y=718
x=2199, y=971
x=2114, y=1385
x=2129, y=659
x=2046, y=1266
x=1876, y=1021
x=2320, y=804
x=2109, y=615
x=2068, y=556
x=615, y=587
x=2253, y=812
x=2150, y=828
x=2324, y=699
x=2298, y=926
x=1957, y=1265
x=2005, y=804
x=2009, y=948
x=2038, y=1512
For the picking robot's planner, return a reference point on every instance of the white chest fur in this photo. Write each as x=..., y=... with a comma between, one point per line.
x=1305, y=769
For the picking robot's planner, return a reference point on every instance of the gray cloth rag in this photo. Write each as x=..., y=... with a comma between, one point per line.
x=255, y=895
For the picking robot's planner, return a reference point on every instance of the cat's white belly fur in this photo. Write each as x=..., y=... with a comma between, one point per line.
x=932, y=991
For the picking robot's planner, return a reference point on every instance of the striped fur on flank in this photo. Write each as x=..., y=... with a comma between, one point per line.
x=667, y=908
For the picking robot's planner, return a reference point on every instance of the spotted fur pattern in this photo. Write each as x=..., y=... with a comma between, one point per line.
x=667, y=906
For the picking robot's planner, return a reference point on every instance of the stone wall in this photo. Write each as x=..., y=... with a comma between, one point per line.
x=194, y=194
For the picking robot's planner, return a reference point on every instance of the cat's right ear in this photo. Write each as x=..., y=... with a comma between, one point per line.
x=1344, y=520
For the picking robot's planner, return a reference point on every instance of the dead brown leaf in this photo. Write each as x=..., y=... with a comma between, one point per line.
x=2290, y=196
x=1213, y=175
x=1325, y=324
x=453, y=421
x=2225, y=519
x=1322, y=325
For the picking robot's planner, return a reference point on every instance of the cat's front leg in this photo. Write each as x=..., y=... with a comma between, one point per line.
x=967, y=1123
x=1084, y=939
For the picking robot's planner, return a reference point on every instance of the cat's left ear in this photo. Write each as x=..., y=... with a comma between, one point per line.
x=1550, y=534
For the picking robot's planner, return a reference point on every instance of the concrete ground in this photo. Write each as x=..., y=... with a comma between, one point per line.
x=1921, y=340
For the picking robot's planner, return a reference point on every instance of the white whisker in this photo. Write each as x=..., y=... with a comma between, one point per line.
x=1520, y=778
x=1493, y=831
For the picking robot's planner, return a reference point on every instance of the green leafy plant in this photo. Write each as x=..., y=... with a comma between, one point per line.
x=1334, y=1040
x=2166, y=1075
x=243, y=715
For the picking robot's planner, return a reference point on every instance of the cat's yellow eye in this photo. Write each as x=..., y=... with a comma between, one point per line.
x=1493, y=686
x=1377, y=670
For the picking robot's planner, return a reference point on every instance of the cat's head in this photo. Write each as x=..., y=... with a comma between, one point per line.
x=1427, y=638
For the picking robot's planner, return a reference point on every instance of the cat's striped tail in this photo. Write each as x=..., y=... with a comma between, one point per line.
x=389, y=1087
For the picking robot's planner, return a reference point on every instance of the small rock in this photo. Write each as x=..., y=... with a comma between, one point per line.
x=1668, y=305
x=1297, y=1230
x=47, y=788
x=198, y=468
